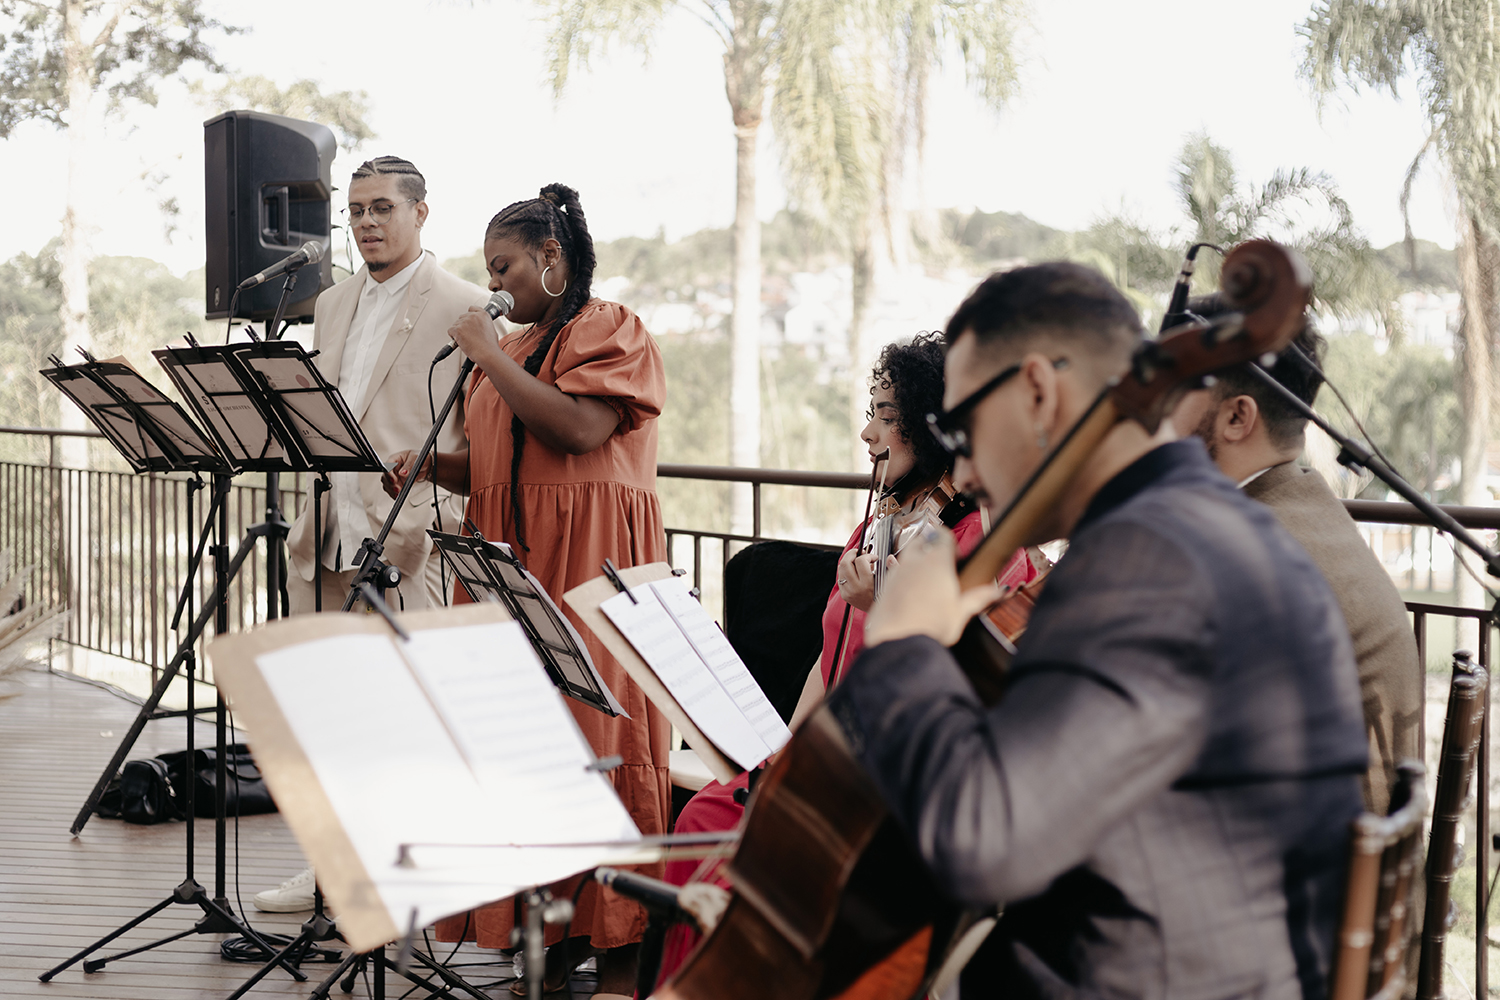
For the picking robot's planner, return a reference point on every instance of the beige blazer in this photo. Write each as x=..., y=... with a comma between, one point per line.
x=394, y=414
x=1391, y=679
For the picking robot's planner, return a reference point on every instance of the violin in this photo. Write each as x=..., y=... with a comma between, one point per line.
x=830, y=897
x=939, y=504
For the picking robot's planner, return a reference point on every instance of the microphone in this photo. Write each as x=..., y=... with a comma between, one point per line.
x=309, y=253
x=500, y=304
x=651, y=893
x=1177, y=305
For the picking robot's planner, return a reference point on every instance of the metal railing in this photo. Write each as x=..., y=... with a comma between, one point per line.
x=115, y=546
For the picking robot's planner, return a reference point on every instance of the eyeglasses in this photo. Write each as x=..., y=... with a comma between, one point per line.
x=380, y=212
x=951, y=427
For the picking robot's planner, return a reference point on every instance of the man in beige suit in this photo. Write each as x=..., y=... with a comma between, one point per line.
x=376, y=334
x=1255, y=437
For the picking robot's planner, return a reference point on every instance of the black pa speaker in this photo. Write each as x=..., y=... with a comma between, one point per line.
x=267, y=191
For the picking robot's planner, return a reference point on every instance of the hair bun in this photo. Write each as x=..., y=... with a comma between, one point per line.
x=550, y=196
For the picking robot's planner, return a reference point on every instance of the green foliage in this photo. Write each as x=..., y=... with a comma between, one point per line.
x=30, y=329
x=470, y=268
x=984, y=240
x=1406, y=399
x=1451, y=48
x=127, y=46
x=137, y=306
x=1300, y=207
x=1433, y=268
x=344, y=111
x=694, y=427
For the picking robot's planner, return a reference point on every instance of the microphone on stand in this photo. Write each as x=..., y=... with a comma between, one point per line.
x=1177, y=305
x=654, y=894
x=500, y=304
x=309, y=253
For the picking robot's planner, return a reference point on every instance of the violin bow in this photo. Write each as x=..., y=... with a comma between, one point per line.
x=864, y=543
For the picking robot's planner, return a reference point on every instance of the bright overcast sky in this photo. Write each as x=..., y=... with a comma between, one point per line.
x=1108, y=92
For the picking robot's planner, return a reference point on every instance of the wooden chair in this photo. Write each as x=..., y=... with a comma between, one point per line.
x=1468, y=695
x=1375, y=928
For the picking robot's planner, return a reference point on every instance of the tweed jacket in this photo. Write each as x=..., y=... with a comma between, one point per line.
x=394, y=413
x=1162, y=798
x=1390, y=678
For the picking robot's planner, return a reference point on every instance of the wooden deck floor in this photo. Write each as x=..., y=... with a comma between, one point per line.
x=59, y=893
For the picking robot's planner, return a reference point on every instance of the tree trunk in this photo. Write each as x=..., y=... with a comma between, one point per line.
x=744, y=73
x=73, y=257
x=73, y=266
x=1478, y=257
x=862, y=286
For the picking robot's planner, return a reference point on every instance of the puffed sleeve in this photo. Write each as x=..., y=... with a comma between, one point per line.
x=607, y=352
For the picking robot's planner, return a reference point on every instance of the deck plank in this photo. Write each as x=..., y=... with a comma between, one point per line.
x=59, y=893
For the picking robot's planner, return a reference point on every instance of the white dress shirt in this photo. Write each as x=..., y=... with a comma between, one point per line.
x=379, y=306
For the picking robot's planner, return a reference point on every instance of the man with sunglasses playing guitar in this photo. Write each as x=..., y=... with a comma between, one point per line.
x=1161, y=800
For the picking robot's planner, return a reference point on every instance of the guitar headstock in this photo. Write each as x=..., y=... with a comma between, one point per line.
x=1266, y=286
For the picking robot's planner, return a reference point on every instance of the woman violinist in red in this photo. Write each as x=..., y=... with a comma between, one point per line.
x=906, y=385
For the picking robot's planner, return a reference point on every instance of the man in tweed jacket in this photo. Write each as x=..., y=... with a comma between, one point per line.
x=1162, y=799
x=1255, y=437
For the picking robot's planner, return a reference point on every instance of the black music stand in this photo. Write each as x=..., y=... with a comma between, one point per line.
x=155, y=435
x=490, y=571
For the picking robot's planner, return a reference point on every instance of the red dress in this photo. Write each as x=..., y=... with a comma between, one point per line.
x=713, y=807
x=578, y=511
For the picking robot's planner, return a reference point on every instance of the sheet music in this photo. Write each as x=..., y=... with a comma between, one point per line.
x=511, y=724
x=209, y=383
x=655, y=635
x=108, y=415
x=313, y=415
x=394, y=774
x=185, y=435
x=713, y=646
x=489, y=572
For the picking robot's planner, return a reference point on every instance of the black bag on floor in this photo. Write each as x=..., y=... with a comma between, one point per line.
x=245, y=792
x=154, y=790
x=141, y=793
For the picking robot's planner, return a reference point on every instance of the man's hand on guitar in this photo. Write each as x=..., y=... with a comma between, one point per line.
x=922, y=597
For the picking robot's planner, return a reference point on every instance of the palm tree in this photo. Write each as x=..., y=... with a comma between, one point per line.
x=759, y=37
x=1300, y=207
x=908, y=41
x=1451, y=46
x=846, y=88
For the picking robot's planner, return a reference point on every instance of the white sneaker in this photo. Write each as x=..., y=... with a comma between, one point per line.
x=296, y=893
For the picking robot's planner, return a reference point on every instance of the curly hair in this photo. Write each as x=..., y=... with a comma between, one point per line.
x=913, y=372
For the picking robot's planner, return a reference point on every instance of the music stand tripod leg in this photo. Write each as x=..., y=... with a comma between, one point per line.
x=217, y=916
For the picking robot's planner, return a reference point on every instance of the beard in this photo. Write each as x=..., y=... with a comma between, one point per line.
x=1205, y=430
x=376, y=266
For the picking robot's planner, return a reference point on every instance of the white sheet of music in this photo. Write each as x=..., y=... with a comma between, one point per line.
x=713, y=645
x=518, y=736
x=661, y=643
x=395, y=771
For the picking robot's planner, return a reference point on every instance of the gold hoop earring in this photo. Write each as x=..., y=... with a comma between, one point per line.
x=549, y=291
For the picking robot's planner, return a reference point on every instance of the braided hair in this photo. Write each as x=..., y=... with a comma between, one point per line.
x=409, y=179
x=555, y=214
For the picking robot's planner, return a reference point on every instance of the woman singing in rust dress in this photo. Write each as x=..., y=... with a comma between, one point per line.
x=561, y=464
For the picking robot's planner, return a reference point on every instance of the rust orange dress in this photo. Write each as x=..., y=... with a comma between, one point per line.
x=579, y=510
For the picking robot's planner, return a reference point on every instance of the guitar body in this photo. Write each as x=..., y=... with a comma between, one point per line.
x=852, y=913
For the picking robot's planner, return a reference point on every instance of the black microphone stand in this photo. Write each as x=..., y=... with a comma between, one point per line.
x=1355, y=456
x=372, y=569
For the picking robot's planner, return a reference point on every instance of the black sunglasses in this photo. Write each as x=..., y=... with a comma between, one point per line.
x=951, y=427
